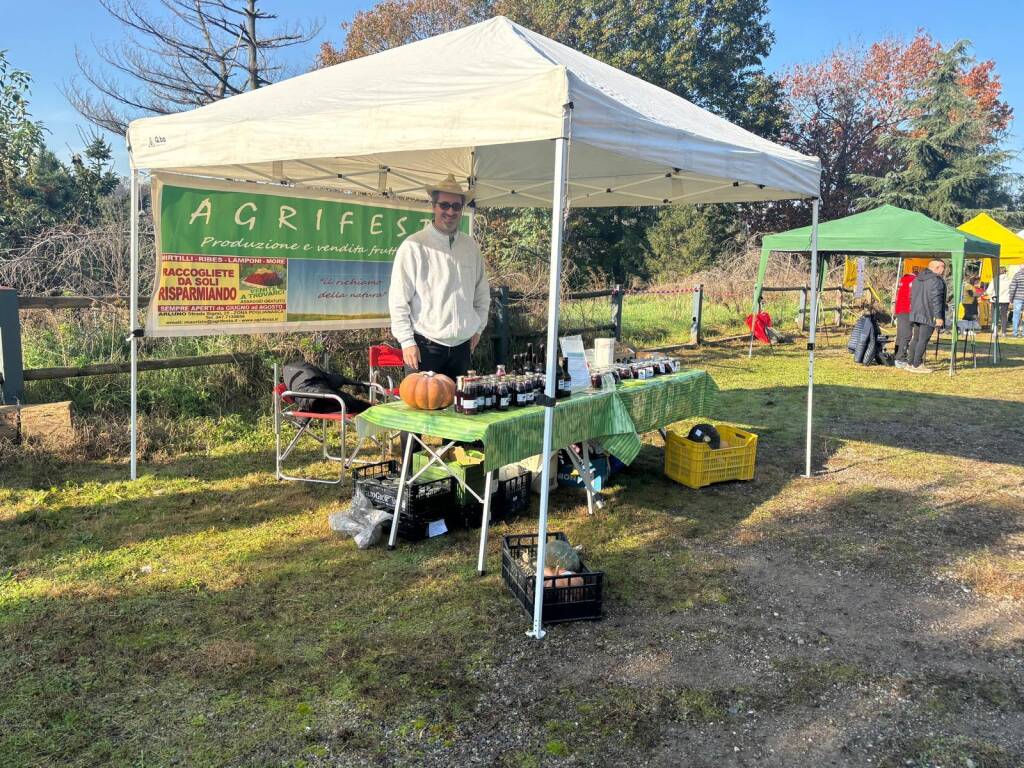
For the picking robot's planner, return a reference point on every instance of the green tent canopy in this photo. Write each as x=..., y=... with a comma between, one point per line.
x=884, y=231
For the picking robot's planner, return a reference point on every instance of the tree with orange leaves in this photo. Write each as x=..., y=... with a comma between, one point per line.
x=947, y=161
x=392, y=23
x=843, y=108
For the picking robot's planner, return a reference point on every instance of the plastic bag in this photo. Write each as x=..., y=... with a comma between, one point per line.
x=362, y=521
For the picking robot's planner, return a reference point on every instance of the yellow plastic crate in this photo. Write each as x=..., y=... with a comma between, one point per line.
x=696, y=464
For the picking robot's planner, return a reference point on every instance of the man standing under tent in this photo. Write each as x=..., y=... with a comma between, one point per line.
x=439, y=296
x=1016, y=300
x=927, y=310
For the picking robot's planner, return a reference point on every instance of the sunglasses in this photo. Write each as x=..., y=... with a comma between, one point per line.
x=446, y=206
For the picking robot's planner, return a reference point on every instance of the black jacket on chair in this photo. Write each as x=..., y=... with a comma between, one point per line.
x=927, y=298
x=300, y=376
x=866, y=341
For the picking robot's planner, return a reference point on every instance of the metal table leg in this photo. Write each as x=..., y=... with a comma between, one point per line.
x=588, y=480
x=594, y=498
x=485, y=521
x=401, y=489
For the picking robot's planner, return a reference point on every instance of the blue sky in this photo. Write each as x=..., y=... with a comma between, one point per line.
x=41, y=37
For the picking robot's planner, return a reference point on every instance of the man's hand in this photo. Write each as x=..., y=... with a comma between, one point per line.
x=473, y=342
x=412, y=356
x=938, y=323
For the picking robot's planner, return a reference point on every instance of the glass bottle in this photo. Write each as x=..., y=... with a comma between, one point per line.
x=504, y=397
x=528, y=398
x=460, y=383
x=481, y=395
x=469, y=395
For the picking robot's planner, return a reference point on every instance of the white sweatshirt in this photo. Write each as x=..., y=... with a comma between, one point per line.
x=439, y=288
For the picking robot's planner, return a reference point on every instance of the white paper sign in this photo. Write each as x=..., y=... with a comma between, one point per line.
x=576, y=357
x=436, y=528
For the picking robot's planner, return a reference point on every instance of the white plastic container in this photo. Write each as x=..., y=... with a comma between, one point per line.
x=604, y=352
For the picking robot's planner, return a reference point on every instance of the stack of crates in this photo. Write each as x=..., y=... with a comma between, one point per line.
x=430, y=498
x=510, y=494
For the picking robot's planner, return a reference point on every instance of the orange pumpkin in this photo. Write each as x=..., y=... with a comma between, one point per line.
x=427, y=391
x=570, y=580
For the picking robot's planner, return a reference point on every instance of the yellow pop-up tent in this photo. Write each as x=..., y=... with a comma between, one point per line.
x=1011, y=251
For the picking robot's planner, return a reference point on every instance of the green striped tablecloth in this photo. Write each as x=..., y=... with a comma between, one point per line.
x=615, y=419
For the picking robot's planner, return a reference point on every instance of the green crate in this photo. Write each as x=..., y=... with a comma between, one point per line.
x=471, y=474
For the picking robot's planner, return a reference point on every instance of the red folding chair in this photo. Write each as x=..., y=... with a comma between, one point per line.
x=288, y=414
x=385, y=357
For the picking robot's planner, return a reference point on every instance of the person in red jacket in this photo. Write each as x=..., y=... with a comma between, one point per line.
x=903, y=327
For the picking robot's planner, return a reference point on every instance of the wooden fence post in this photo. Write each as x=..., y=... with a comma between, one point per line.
x=698, y=311
x=11, y=376
x=616, y=297
x=803, y=310
x=501, y=339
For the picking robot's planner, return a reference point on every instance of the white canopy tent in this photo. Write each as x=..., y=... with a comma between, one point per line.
x=523, y=120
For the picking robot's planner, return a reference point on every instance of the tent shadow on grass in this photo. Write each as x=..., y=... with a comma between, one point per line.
x=945, y=424
x=103, y=522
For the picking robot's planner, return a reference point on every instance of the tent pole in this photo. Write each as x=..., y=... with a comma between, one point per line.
x=554, y=286
x=896, y=288
x=813, y=332
x=133, y=308
x=958, y=297
x=995, y=311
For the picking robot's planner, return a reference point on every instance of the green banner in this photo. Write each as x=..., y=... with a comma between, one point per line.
x=244, y=258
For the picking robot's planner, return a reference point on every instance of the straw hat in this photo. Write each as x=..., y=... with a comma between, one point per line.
x=451, y=186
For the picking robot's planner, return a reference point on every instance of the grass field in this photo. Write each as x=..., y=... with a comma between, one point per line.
x=872, y=615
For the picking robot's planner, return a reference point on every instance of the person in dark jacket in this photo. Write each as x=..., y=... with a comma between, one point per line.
x=927, y=311
x=300, y=376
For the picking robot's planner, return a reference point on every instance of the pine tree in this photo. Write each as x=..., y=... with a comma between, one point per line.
x=947, y=163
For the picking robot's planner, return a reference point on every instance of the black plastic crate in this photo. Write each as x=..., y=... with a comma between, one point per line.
x=566, y=603
x=423, y=501
x=510, y=499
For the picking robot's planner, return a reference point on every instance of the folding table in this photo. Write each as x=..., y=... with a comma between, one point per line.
x=614, y=419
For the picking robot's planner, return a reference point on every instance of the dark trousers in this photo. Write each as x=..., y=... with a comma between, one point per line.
x=451, y=361
x=919, y=342
x=1003, y=318
x=903, y=333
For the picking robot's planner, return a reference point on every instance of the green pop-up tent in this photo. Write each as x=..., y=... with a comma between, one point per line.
x=886, y=231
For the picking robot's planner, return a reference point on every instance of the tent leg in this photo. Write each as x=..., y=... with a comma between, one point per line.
x=554, y=284
x=995, y=312
x=753, y=318
x=954, y=329
x=133, y=308
x=813, y=333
